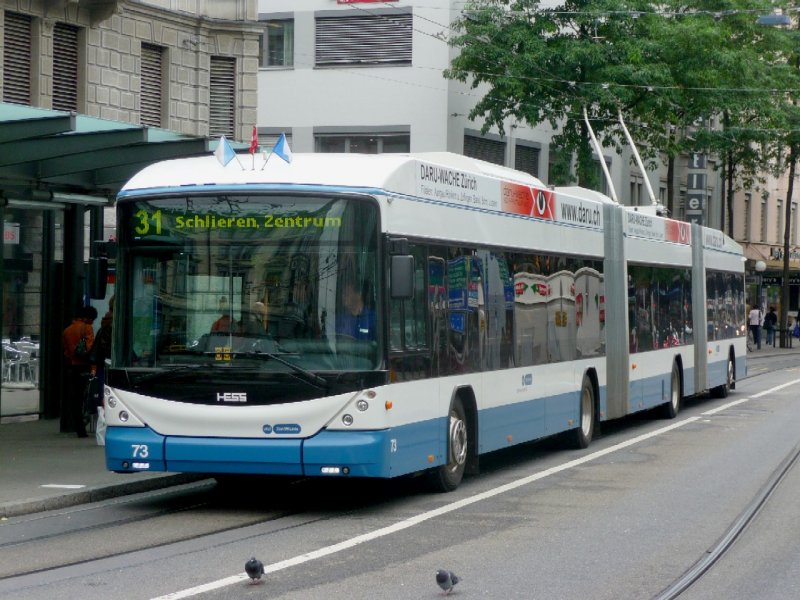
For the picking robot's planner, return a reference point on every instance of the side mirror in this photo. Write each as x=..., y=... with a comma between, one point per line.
x=402, y=277
x=98, y=267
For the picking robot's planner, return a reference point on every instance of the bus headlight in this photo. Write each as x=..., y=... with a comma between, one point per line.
x=124, y=416
x=362, y=405
x=347, y=420
x=109, y=398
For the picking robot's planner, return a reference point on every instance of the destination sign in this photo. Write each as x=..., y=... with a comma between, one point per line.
x=159, y=222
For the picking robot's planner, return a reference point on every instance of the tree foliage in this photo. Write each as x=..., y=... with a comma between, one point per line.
x=674, y=70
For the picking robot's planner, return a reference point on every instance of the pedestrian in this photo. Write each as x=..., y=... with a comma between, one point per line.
x=76, y=342
x=101, y=349
x=756, y=320
x=770, y=325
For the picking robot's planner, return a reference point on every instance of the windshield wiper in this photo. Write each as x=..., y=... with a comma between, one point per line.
x=166, y=373
x=306, y=375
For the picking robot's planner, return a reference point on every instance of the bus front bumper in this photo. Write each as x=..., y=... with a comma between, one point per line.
x=329, y=453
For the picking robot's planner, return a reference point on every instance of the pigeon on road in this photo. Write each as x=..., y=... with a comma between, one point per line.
x=254, y=569
x=446, y=580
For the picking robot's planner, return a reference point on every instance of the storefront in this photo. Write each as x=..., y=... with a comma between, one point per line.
x=765, y=283
x=59, y=174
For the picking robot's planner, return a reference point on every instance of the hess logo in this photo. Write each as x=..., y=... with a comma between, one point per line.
x=232, y=397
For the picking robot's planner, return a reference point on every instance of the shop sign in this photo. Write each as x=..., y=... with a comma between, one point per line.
x=768, y=280
x=11, y=233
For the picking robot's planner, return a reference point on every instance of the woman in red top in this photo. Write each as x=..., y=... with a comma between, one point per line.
x=76, y=341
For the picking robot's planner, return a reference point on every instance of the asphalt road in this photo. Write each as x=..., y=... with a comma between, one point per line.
x=621, y=519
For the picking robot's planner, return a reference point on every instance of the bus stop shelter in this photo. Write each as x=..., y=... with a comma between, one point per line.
x=59, y=171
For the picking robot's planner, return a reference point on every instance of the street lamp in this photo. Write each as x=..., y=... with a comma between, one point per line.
x=760, y=267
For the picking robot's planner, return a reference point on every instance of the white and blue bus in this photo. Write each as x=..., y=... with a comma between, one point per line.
x=381, y=315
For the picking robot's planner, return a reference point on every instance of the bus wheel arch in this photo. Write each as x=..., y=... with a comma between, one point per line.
x=461, y=442
x=588, y=407
x=722, y=391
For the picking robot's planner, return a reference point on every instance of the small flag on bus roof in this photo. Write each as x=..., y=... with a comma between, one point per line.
x=282, y=149
x=254, y=141
x=224, y=152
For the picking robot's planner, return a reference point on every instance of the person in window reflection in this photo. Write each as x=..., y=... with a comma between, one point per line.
x=357, y=320
x=255, y=321
x=223, y=324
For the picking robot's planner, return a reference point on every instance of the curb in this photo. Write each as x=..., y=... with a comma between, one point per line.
x=94, y=494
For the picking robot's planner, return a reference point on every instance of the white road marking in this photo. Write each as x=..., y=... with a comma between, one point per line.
x=776, y=388
x=714, y=411
x=453, y=506
x=63, y=486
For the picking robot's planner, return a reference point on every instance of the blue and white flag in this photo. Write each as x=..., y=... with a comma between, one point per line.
x=281, y=148
x=224, y=152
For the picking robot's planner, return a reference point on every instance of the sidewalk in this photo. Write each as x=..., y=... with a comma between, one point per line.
x=42, y=469
x=765, y=350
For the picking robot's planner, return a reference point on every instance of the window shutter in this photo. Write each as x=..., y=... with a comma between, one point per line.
x=152, y=87
x=65, y=67
x=222, y=96
x=380, y=39
x=17, y=59
x=483, y=149
x=267, y=141
x=527, y=159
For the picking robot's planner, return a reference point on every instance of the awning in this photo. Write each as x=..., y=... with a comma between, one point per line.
x=49, y=155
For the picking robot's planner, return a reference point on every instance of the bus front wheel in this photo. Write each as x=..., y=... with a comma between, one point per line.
x=447, y=477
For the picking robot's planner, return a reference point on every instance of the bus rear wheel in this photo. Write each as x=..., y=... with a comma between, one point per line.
x=671, y=409
x=581, y=436
x=447, y=477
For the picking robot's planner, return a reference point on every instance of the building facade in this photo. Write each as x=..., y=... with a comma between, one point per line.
x=181, y=70
x=760, y=224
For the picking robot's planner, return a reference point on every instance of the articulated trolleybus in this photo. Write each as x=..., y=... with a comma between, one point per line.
x=382, y=315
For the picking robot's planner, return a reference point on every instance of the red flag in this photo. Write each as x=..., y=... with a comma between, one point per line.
x=254, y=141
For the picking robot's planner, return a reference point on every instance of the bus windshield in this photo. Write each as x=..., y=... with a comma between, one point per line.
x=262, y=282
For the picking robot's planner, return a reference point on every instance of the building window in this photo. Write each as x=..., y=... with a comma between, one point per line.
x=65, y=67
x=17, y=52
x=364, y=40
x=222, y=96
x=748, y=207
x=493, y=151
x=793, y=233
x=152, y=76
x=636, y=191
x=779, y=228
x=363, y=144
x=526, y=158
x=276, y=44
x=764, y=199
x=600, y=177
